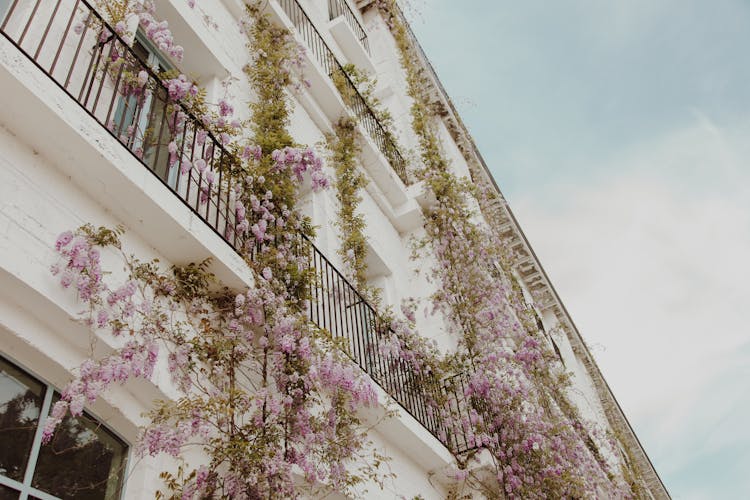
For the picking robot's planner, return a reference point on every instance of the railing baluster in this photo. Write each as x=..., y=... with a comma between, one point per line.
x=356, y=348
x=320, y=290
x=158, y=143
x=356, y=308
x=192, y=159
x=91, y=73
x=46, y=30
x=217, y=181
x=181, y=155
x=64, y=37
x=8, y=15
x=82, y=36
x=114, y=93
x=346, y=313
x=103, y=77
x=337, y=313
x=28, y=24
x=327, y=298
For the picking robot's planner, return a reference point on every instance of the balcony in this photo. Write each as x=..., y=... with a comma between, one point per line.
x=69, y=42
x=351, y=95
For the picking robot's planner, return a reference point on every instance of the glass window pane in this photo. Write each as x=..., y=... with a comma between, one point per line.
x=83, y=461
x=141, y=51
x=8, y=493
x=20, y=403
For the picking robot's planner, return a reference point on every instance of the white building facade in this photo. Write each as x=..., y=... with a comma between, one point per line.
x=65, y=163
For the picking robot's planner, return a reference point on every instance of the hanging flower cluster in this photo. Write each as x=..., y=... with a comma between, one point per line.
x=263, y=391
x=121, y=14
x=298, y=162
x=158, y=31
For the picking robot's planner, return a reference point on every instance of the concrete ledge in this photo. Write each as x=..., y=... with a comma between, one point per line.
x=350, y=45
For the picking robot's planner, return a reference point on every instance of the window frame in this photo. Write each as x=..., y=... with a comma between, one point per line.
x=25, y=489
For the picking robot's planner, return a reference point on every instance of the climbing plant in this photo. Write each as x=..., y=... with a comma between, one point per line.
x=517, y=392
x=263, y=393
x=348, y=182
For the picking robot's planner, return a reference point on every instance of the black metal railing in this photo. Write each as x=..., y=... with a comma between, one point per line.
x=71, y=43
x=462, y=437
x=353, y=98
x=339, y=308
x=338, y=8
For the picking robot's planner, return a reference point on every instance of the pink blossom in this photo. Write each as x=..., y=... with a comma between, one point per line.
x=120, y=28
x=200, y=137
x=239, y=210
x=200, y=165
x=225, y=109
x=63, y=240
x=267, y=274
x=142, y=78
x=259, y=230
x=178, y=88
x=101, y=318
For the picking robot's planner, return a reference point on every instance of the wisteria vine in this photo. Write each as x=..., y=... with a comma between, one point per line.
x=266, y=395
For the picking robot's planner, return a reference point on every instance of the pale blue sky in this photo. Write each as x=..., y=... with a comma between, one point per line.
x=566, y=85
x=620, y=133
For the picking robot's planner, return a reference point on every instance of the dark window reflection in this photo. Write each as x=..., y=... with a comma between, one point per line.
x=20, y=403
x=8, y=493
x=83, y=461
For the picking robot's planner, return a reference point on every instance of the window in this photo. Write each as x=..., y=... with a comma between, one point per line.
x=83, y=460
x=143, y=121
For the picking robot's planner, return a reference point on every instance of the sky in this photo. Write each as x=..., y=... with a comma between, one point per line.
x=619, y=132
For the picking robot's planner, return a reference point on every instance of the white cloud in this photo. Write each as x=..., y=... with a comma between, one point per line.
x=654, y=266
